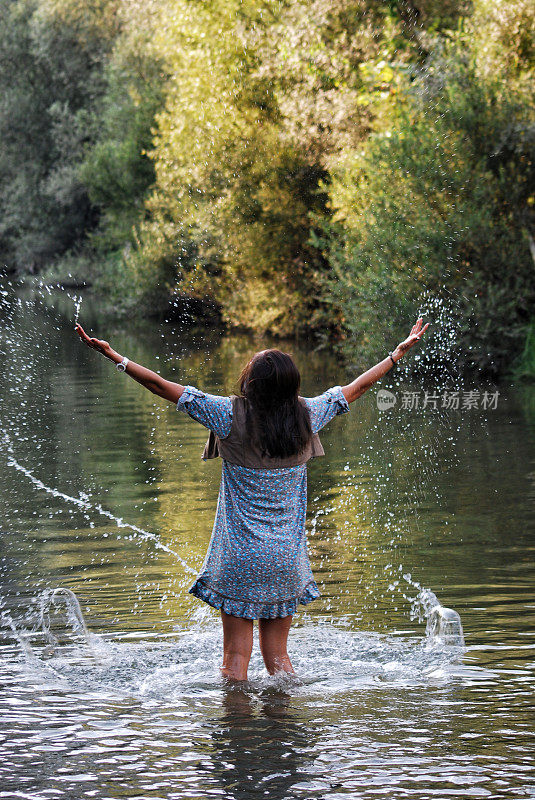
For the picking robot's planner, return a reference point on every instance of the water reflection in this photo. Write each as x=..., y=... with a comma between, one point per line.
x=260, y=745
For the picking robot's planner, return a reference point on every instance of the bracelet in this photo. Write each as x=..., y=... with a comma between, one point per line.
x=392, y=359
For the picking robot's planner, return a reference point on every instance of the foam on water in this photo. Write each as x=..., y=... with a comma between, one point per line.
x=327, y=657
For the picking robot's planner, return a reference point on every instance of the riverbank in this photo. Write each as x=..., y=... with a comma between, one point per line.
x=439, y=354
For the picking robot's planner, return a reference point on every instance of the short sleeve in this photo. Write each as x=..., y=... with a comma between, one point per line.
x=211, y=410
x=326, y=406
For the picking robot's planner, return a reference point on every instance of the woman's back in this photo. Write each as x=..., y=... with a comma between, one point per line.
x=241, y=446
x=257, y=563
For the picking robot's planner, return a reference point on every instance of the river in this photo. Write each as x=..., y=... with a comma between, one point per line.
x=110, y=687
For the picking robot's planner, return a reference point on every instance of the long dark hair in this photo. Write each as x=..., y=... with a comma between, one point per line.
x=280, y=423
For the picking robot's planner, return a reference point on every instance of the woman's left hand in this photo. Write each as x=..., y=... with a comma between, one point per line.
x=96, y=344
x=415, y=335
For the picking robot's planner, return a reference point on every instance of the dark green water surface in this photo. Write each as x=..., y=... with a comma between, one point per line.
x=104, y=493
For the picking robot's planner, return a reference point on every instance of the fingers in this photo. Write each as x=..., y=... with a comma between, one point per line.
x=89, y=340
x=423, y=330
x=416, y=327
x=415, y=335
x=82, y=334
x=93, y=343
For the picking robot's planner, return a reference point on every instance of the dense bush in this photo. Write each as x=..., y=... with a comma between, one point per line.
x=236, y=180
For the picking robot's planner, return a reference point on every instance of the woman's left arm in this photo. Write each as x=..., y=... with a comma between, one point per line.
x=375, y=373
x=146, y=377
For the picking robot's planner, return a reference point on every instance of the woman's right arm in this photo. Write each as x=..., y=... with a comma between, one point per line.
x=146, y=377
x=375, y=373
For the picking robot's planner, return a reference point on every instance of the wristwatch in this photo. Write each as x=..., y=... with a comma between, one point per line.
x=122, y=365
x=392, y=359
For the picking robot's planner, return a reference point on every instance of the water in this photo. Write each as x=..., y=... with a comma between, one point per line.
x=443, y=625
x=77, y=299
x=420, y=531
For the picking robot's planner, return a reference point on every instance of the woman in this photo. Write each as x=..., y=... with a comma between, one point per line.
x=257, y=565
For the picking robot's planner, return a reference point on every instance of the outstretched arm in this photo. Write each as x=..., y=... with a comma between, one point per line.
x=146, y=377
x=368, y=378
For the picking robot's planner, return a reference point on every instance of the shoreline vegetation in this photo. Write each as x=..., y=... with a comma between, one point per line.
x=296, y=169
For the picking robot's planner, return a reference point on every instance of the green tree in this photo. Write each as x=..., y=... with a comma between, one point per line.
x=50, y=75
x=261, y=96
x=441, y=202
x=117, y=171
x=228, y=218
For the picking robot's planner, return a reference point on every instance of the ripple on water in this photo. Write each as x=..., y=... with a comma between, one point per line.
x=367, y=709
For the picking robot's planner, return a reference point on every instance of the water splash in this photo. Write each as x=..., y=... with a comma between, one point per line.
x=327, y=657
x=404, y=455
x=77, y=304
x=20, y=637
x=84, y=503
x=443, y=626
x=48, y=600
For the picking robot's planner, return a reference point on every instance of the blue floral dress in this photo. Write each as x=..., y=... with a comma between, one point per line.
x=257, y=563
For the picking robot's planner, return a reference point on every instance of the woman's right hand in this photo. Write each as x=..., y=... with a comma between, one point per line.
x=96, y=344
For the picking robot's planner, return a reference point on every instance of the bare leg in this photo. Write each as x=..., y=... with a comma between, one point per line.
x=237, y=646
x=273, y=643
